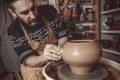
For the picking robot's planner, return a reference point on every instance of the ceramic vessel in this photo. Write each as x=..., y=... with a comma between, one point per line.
x=66, y=1
x=72, y=1
x=107, y=5
x=116, y=43
x=66, y=13
x=81, y=55
x=74, y=14
x=87, y=1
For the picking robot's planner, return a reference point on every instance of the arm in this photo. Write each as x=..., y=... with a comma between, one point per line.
x=46, y=56
x=50, y=53
x=35, y=60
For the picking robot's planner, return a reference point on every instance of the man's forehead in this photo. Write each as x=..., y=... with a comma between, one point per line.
x=22, y=4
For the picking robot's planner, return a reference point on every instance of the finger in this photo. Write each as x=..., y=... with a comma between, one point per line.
x=55, y=55
x=56, y=48
x=54, y=51
x=52, y=55
x=53, y=46
x=53, y=58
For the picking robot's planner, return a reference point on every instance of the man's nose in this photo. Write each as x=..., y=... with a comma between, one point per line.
x=32, y=15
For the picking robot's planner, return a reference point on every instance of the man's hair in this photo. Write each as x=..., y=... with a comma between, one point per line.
x=10, y=2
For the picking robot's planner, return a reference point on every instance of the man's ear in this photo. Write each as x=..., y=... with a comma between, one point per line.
x=12, y=12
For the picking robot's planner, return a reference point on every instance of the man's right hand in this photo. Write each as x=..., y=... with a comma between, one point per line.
x=52, y=53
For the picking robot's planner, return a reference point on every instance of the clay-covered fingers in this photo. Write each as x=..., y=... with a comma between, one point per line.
x=54, y=57
x=52, y=52
x=51, y=56
x=53, y=49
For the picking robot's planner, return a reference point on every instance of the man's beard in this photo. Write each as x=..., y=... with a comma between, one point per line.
x=30, y=23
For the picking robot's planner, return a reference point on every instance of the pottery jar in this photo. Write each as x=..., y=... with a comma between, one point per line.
x=71, y=1
x=82, y=16
x=90, y=15
x=107, y=5
x=117, y=3
x=92, y=1
x=116, y=43
x=76, y=1
x=81, y=55
x=74, y=14
x=66, y=1
x=66, y=13
x=87, y=1
x=82, y=1
x=79, y=1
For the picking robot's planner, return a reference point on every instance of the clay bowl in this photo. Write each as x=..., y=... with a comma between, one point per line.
x=81, y=55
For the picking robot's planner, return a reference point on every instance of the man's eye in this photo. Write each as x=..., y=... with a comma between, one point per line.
x=33, y=8
x=25, y=12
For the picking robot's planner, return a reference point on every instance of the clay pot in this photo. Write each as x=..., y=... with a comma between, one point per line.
x=81, y=55
x=76, y=1
x=116, y=43
x=93, y=1
x=79, y=1
x=82, y=1
x=90, y=15
x=87, y=1
x=117, y=3
x=71, y=1
x=107, y=5
x=66, y=13
x=117, y=23
x=111, y=22
x=74, y=14
x=82, y=16
x=66, y=1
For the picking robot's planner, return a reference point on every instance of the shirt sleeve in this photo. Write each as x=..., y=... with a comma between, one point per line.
x=21, y=47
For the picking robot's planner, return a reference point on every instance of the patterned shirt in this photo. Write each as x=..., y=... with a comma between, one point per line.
x=37, y=33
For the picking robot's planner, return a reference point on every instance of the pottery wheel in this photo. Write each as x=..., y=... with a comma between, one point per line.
x=99, y=73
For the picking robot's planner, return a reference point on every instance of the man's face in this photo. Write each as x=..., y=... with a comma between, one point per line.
x=26, y=11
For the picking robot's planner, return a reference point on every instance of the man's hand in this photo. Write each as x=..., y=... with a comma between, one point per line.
x=52, y=53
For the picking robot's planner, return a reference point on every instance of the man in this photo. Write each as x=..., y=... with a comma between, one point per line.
x=40, y=25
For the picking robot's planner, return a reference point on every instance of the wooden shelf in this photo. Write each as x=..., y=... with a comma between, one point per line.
x=79, y=3
x=87, y=3
x=69, y=4
x=83, y=22
x=110, y=11
x=81, y=31
x=82, y=7
x=111, y=32
x=111, y=51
